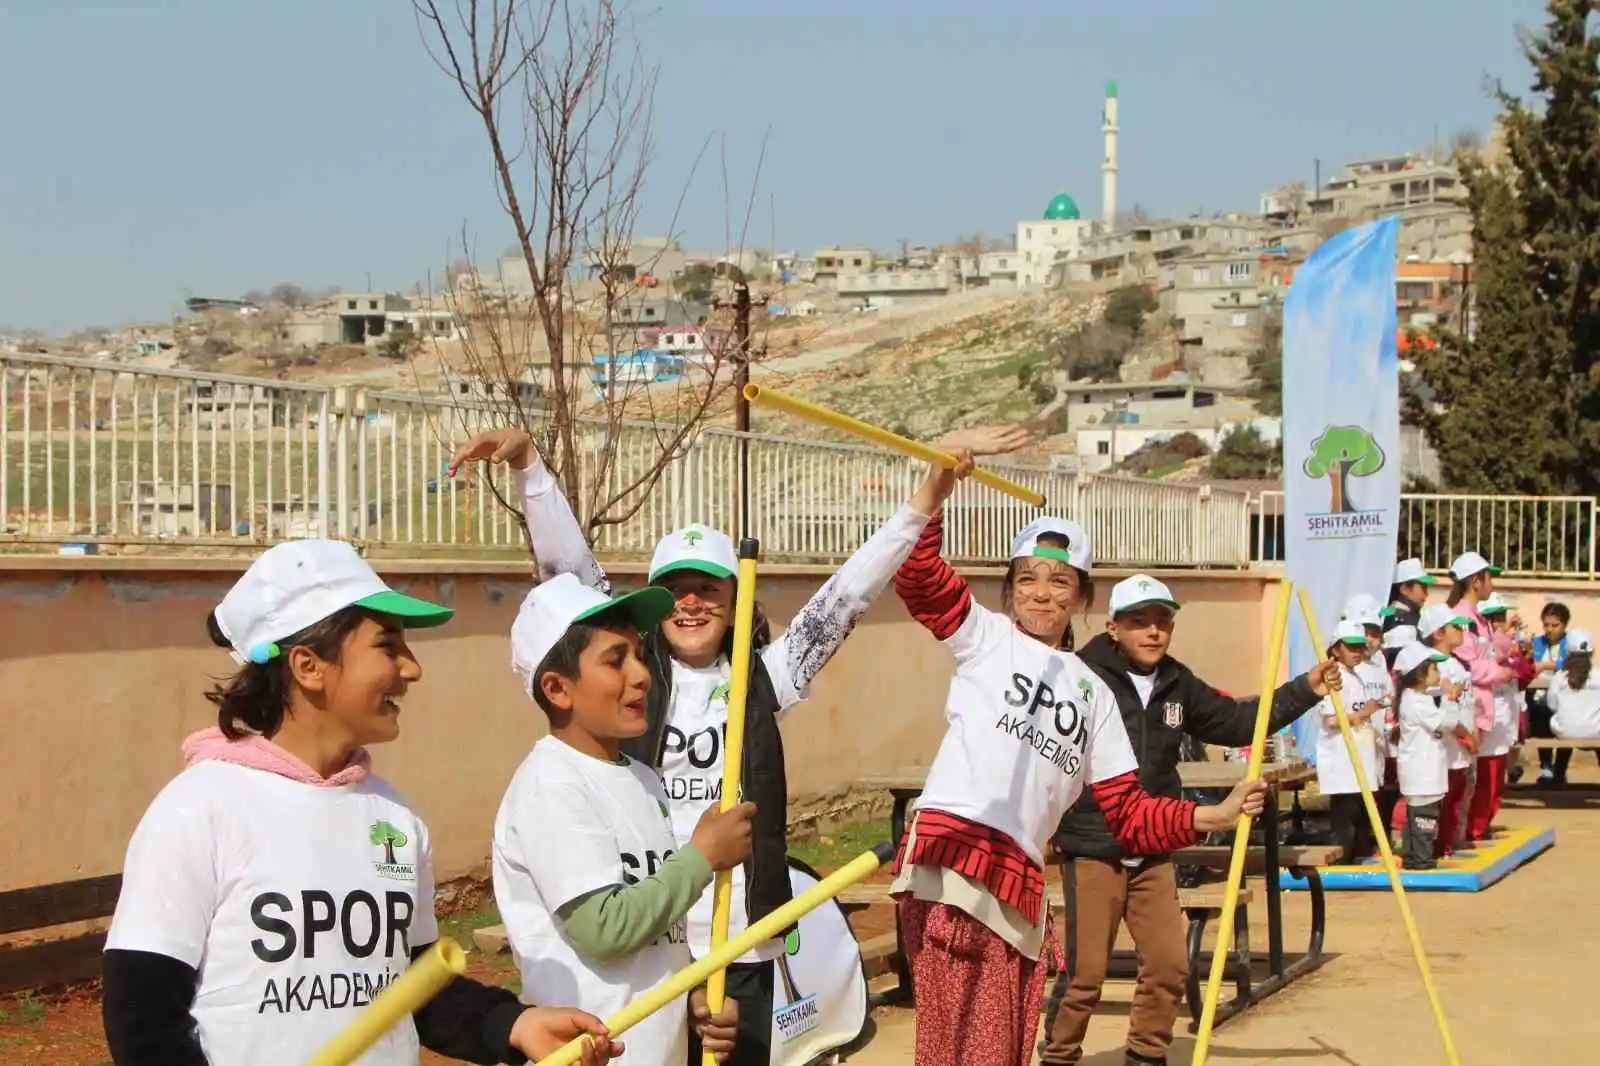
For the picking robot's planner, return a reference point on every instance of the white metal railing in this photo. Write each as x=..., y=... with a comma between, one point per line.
x=1529, y=536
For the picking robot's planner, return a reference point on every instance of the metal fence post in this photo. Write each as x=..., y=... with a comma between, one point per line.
x=341, y=398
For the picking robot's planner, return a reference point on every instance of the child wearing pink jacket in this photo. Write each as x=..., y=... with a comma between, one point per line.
x=1486, y=655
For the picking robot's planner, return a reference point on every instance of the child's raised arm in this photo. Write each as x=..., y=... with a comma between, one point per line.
x=559, y=546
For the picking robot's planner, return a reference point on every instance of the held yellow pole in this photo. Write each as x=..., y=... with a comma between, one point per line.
x=1241, y=836
x=744, y=617
x=681, y=983
x=405, y=995
x=1381, y=832
x=917, y=450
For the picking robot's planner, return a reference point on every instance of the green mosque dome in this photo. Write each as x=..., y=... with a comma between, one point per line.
x=1063, y=207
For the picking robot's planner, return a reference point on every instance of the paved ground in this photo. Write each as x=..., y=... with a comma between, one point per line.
x=1512, y=965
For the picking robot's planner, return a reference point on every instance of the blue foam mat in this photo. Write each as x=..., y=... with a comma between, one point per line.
x=1471, y=871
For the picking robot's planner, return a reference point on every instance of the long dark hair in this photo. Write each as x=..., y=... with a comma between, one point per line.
x=1458, y=591
x=1579, y=663
x=1085, y=585
x=1412, y=679
x=255, y=699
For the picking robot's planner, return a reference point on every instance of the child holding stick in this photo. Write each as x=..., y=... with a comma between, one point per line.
x=1029, y=726
x=589, y=880
x=1424, y=759
x=276, y=885
x=1336, y=774
x=688, y=656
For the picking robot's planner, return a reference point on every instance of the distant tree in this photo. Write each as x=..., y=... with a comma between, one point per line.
x=288, y=295
x=1244, y=455
x=1466, y=140
x=695, y=283
x=1128, y=306
x=1266, y=367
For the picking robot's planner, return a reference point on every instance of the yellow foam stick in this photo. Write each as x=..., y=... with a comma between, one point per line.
x=405, y=995
x=744, y=617
x=844, y=423
x=1381, y=832
x=677, y=986
x=1241, y=836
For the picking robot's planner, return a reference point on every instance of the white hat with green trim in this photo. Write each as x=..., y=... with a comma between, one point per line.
x=1494, y=603
x=1436, y=616
x=294, y=585
x=1026, y=543
x=1349, y=631
x=1414, y=655
x=552, y=607
x=1470, y=564
x=1138, y=591
x=695, y=547
x=1409, y=570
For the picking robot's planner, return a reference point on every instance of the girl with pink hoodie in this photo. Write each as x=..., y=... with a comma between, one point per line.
x=276, y=885
x=1487, y=657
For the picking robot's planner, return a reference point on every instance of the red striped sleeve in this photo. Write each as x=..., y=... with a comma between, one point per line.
x=933, y=592
x=1144, y=824
x=979, y=852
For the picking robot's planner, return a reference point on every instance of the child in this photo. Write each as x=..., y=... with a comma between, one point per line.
x=1483, y=653
x=590, y=882
x=1495, y=744
x=1394, y=639
x=1575, y=691
x=276, y=885
x=1442, y=629
x=1408, y=593
x=1336, y=775
x=688, y=656
x=1028, y=726
x=1424, y=760
x=1549, y=651
x=1379, y=687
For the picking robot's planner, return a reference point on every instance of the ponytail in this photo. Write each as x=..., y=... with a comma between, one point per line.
x=256, y=698
x=1458, y=591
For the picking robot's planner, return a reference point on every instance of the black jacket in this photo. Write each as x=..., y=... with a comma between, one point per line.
x=1181, y=705
x=1405, y=614
x=762, y=778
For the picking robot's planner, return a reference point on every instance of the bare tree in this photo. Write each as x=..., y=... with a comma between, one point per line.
x=565, y=104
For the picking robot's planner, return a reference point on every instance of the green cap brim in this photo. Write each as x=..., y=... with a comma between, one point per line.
x=1437, y=658
x=1496, y=570
x=1145, y=603
x=412, y=612
x=1426, y=579
x=1352, y=641
x=1459, y=621
x=1386, y=612
x=646, y=606
x=1045, y=552
x=1494, y=610
x=696, y=565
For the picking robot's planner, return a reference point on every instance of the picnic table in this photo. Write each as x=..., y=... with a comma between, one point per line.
x=1268, y=859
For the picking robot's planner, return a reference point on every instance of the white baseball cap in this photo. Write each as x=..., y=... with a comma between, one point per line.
x=1408, y=570
x=695, y=547
x=1137, y=591
x=1349, y=631
x=1364, y=609
x=1026, y=543
x=1494, y=604
x=1400, y=637
x=1414, y=655
x=552, y=607
x=1470, y=563
x=1579, y=640
x=1436, y=616
x=294, y=585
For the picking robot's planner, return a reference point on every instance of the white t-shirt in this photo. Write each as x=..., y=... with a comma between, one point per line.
x=693, y=753
x=1028, y=726
x=1424, y=758
x=1462, y=712
x=1144, y=685
x=1335, y=773
x=1378, y=685
x=296, y=905
x=1575, y=713
x=569, y=825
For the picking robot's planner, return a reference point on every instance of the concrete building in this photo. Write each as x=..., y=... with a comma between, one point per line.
x=364, y=316
x=1219, y=302
x=643, y=258
x=999, y=268
x=830, y=261
x=1137, y=252
x=1101, y=447
x=311, y=331
x=934, y=281
x=1370, y=187
x=1058, y=237
x=1173, y=402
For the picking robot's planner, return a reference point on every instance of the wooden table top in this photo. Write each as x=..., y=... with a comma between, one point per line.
x=1194, y=775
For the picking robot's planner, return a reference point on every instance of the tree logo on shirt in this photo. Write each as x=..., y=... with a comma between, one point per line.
x=692, y=537
x=389, y=837
x=721, y=692
x=1086, y=690
x=791, y=943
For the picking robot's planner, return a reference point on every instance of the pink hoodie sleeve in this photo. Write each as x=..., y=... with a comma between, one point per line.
x=1479, y=655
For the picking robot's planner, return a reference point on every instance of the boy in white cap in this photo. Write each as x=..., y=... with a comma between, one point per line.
x=276, y=884
x=1408, y=593
x=1336, y=775
x=1424, y=756
x=1162, y=703
x=1378, y=685
x=590, y=881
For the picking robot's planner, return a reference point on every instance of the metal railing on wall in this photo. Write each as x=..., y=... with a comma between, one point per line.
x=121, y=455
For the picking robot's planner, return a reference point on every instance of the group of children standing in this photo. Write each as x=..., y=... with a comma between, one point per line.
x=1435, y=700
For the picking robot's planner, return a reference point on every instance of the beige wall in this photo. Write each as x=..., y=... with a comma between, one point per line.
x=104, y=662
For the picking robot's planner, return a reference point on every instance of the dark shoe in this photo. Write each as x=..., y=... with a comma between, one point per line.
x=1514, y=774
x=1421, y=866
x=1136, y=1059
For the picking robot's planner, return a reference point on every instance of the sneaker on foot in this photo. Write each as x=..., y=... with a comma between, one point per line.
x=1546, y=775
x=1136, y=1059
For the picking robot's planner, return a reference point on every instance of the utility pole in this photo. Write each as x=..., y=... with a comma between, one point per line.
x=742, y=303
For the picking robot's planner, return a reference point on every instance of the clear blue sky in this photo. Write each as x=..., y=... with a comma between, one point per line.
x=154, y=150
